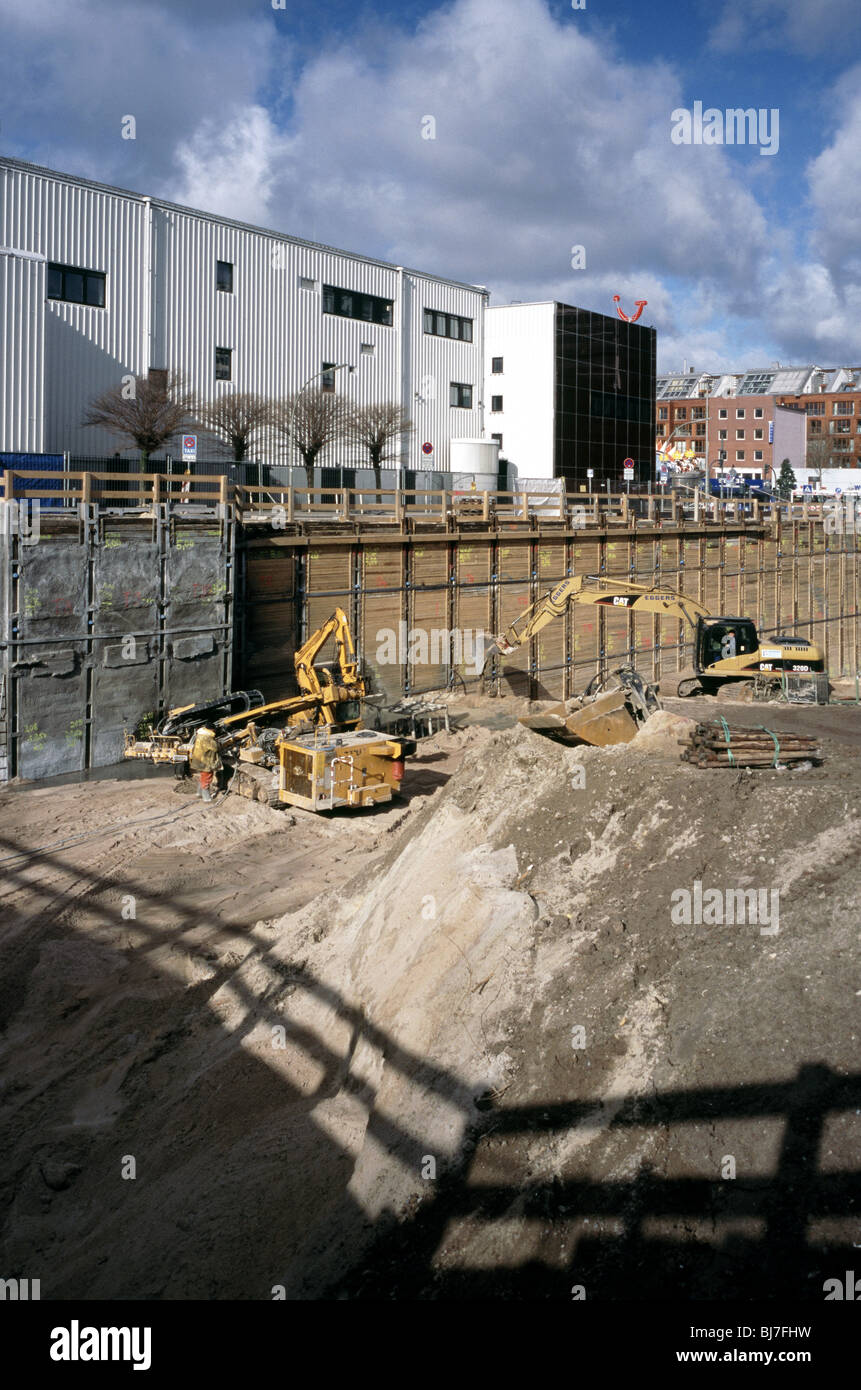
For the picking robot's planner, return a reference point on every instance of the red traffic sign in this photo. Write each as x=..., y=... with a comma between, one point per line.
x=628, y=463
x=427, y=448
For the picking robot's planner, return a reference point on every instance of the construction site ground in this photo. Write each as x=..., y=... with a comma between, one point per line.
x=451, y=1047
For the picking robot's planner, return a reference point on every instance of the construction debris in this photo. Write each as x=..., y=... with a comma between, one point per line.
x=717, y=745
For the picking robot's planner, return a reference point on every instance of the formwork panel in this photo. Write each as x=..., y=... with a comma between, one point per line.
x=125, y=608
x=551, y=642
x=514, y=566
x=429, y=614
x=584, y=620
x=270, y=620
x=327, y=585
x=384, y=636
x=732, y=586
x=194, y=615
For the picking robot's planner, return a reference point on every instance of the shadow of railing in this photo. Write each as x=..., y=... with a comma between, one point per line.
x=644, y=1235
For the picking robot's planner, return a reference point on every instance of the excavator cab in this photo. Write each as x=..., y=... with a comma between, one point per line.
x=724, y=640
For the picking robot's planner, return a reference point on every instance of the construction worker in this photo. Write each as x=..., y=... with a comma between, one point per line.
x=204, y=759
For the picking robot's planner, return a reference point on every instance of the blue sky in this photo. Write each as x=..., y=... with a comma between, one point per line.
x=551, y=129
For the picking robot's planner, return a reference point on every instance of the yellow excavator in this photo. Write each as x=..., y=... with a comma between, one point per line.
x=725, y=649
x=307, y=750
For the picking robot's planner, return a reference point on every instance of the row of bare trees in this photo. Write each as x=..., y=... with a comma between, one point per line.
x=150, y=411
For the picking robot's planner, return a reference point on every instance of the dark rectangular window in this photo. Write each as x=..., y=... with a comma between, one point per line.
x=495, y=403
x=498, y=438
x=496, y=365
x=349, y=304
x=224, y=276
x=76, y=286
x=223, y=369
x=449, y=326
x=327, y=380
x=460, y=395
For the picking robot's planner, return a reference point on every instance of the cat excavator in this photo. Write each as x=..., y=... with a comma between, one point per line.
x=725, y=648
x=307, y=750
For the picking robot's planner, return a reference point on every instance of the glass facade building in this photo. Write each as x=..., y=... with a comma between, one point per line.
x=605, y=372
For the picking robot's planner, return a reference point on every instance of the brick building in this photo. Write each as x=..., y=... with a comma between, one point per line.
x=749, y=420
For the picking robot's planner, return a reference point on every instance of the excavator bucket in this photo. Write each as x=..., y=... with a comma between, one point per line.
x=613, y=716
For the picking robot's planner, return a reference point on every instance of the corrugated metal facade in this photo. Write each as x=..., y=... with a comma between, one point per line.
x=163, y=310
x=22, y=350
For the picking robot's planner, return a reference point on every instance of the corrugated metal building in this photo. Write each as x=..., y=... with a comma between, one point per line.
x=97, y=283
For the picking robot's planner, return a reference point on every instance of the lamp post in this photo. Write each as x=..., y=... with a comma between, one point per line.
x=325, y=371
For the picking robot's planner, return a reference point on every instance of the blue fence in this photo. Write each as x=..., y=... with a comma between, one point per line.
x=51, y=463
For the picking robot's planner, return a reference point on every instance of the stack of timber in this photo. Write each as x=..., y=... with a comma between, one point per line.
x=717, y=745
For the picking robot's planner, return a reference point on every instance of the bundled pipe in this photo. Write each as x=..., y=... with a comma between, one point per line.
x=717, y=745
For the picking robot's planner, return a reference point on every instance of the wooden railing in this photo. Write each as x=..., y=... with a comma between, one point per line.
x=138, y=490
x=379, y=506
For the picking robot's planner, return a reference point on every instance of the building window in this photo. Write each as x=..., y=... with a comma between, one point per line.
x=739, y=434
x=496, y=366
x=739, y=454
x=224, y=276
x=223, y=369
x=662, y=412
x=698, y=412
x=757, y=454
x=349, y=304
x=660, y=430
x=76, y=286
x=498, y=438
x=682, y=412
x=739, y=414
x=815, y=407
x=757, y=414
x=843, y=408
x=721, y=434
x=450, y=326
x=842, y=444
x=701, y=429
x=721, y=414
x=460, y=395
x=307, y=282
x=368, y=349
x=757, y=434
x=495, y=404
x=815, y=426
x=841, y=426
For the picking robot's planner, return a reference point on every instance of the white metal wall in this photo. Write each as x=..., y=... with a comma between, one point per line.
x=523, y=335
x=163, y=310
x=22, y=351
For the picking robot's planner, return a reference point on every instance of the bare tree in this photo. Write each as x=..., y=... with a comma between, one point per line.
x=818, y=453
x=311, y=420
x=237, y=418
x=378, y=429
x=147, y=411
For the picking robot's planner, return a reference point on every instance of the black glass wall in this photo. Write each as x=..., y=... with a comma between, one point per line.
x=605, y=398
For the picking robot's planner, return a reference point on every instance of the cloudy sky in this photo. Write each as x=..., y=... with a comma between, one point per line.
x=552, y=129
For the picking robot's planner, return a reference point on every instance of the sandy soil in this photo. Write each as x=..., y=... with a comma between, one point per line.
x=454, y=1047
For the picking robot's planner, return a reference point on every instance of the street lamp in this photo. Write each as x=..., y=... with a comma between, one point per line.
x=326, y=371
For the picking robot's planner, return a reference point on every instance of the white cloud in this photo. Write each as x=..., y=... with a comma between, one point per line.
x=545, y=138
x=802, y=25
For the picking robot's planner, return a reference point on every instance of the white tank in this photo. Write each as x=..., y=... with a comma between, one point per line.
x=475, y=458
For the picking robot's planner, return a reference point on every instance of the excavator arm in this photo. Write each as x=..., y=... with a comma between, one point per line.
x=602, y=591
x=307, y=674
